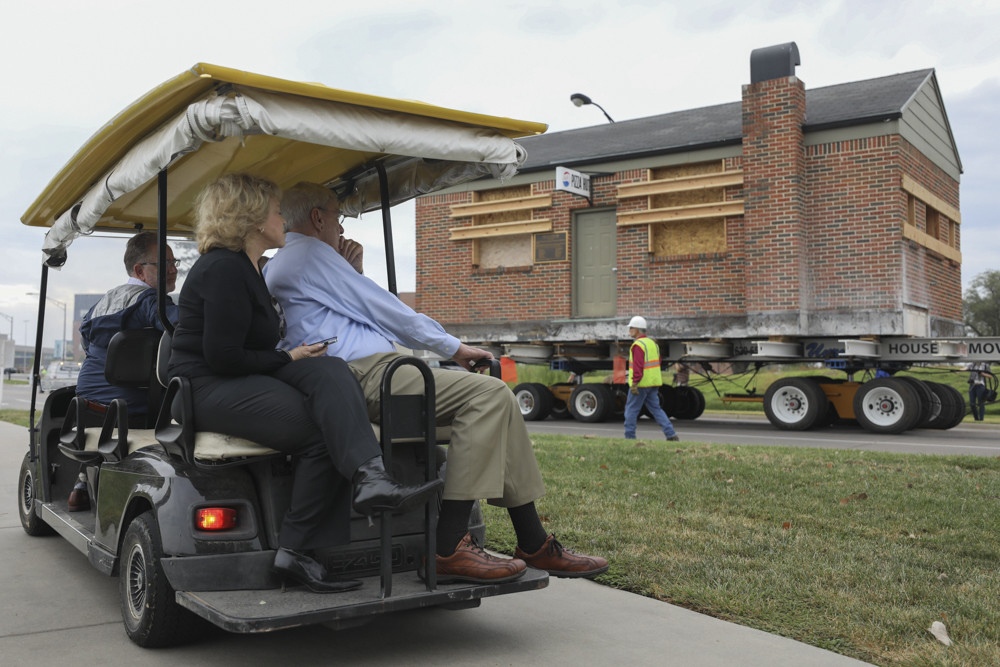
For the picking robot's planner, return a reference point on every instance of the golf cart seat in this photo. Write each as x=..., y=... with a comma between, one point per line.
x=130, y=363
x=175, y=427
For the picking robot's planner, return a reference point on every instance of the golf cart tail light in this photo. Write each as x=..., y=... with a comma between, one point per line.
x=216, y=518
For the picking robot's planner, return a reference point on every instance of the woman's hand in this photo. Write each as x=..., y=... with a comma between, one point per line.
x=305, y=351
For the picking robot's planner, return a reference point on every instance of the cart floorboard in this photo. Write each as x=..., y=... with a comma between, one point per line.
x=266, y=610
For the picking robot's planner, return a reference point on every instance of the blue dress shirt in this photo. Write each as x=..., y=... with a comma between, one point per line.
x=323, y=296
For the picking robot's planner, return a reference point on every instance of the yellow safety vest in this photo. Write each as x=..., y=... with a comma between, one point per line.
x=651, y=376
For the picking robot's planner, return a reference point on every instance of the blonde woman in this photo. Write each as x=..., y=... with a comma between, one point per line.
x=299, y=402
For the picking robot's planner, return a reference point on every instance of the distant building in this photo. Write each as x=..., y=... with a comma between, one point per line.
x=82, y=303
x=24, y=355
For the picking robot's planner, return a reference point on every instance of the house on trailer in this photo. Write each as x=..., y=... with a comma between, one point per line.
x=794, y=212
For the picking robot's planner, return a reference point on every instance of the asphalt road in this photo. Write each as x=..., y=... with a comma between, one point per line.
x=973, y=439
x=18, y=397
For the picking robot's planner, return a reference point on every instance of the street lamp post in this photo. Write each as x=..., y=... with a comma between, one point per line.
x=61, y=304
x=11, y=320
x=579, y=99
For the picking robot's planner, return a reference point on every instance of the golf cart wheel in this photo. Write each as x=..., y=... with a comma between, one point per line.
x=795, y=404
x=533, y=400
x=590, y=403
x=27, y=490
x=886, y=405
x=152, y=617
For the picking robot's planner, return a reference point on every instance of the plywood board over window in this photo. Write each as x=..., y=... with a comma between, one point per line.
x=688, y=237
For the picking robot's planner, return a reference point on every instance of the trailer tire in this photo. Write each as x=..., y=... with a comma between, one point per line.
x=886, y=405
x=533, y=400
x=27, y=488
x=930, y=405
x=560, y=409
x=961, y=408
x=688, y=403
x=152, y=617
x=668, y=399
x=591, y=403
x=946, y=407
x=795, y=404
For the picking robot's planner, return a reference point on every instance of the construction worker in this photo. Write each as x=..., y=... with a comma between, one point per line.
x=644, y=380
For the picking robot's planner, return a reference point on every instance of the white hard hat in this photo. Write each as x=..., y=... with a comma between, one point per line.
x=637, y=322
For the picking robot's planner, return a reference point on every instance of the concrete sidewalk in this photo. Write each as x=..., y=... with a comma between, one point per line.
x=58, y=610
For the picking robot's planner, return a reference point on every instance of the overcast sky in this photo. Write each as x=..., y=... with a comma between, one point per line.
x=70, y=66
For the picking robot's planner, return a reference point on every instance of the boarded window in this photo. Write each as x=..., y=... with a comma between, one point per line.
x=933, y=223
x=687, y=237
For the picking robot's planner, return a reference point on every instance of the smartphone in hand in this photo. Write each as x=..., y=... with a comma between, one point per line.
x=328, y=341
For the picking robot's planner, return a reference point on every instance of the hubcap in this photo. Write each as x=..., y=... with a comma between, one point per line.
x=525, y=401
x=136, y=581
x=27, y=494
x=790, y=404
x=884, y=406
x=586, y=403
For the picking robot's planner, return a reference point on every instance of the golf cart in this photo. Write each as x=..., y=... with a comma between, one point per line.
x=189, y=520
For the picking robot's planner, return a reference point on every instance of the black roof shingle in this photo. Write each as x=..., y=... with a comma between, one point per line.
x=831, y=106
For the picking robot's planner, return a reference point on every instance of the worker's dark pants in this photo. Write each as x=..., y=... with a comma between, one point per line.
x=313, y=409
x=977, y=401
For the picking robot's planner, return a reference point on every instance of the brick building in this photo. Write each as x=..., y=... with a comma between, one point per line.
x=825, y=212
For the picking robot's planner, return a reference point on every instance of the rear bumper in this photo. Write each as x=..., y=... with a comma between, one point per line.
x=266, y=610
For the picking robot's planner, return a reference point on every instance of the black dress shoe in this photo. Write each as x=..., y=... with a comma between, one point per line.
x=291, y=564
x=376, y=491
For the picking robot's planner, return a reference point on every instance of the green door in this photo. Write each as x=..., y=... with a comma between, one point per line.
x=594, y=263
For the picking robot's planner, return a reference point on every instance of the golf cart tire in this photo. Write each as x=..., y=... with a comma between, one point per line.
x=886, y=405
x=150, y=612
x=533, y=400
x=591, y=403
x=795, y=404
x=26, y=489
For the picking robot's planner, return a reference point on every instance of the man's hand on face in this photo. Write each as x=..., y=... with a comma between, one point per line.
x=353, y=252
x=467, y=356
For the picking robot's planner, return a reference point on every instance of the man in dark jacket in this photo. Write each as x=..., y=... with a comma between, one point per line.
x=128, y=306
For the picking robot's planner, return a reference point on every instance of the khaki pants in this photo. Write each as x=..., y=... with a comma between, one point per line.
x=490, y=454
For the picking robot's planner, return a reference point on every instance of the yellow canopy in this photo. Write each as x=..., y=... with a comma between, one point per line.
x=284, y=159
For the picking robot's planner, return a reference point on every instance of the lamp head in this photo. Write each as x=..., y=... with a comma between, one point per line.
x=579, y=99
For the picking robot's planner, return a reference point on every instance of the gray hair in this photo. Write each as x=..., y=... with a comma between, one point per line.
x=138, y=249
x=299, y=201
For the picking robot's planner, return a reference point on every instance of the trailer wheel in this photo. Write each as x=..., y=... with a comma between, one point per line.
x=590, y=403
x=886, y=405
x=961, y=408
x=560, y=409
x=27, y=491
x=152, y=616
x=930, y=405
x=668, y=399
x=946, y=407
x=688, y=403
x=795, y=404
x=534, y=400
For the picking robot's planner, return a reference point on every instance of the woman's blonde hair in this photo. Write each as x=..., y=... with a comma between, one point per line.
x=230, y=209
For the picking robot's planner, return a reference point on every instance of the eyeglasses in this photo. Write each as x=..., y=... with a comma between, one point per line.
x=282, y=325
x=175, y=262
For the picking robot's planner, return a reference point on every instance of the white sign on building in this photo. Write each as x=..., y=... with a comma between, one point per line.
x=573, y=182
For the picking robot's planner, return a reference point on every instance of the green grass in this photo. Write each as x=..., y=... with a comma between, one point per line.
x=19, y=417
x=16, y=382
x=860, y=575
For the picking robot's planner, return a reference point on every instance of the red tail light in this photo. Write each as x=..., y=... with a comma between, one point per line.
x=215, y=518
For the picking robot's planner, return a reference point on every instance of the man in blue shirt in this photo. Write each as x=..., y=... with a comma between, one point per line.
x=318, y=280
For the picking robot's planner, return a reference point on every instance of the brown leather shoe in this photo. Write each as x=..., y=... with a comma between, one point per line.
x=79, y=499
x=559, y=561
x=471, y=563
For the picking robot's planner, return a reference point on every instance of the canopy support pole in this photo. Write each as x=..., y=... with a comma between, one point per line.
x=390, y=257
x=36, y=366
x=161, y=251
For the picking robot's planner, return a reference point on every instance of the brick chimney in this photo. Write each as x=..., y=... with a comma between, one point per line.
x=774, y=108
